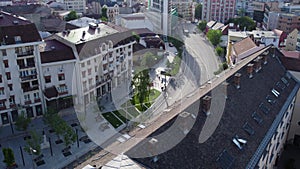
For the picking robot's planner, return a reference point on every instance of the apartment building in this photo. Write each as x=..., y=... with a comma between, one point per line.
x=78, y=6
x=287, y=22
x=19, y=78
x=103, y=60
x=185, y=9
x=218, y=10
x=112, y=12
x=251, y=130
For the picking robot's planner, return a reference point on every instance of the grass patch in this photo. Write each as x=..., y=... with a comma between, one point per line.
x=122, y=115
x=175, y=65
x=130, y=108
x=112, y=119
x=153, y=94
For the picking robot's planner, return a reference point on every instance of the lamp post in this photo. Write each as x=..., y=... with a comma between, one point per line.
x=31, y=152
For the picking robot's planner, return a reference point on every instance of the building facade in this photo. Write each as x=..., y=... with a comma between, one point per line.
x=185, y=9
x=218, y=10
x=19, y=79
x=287, y=22
x=78, y=6
x=103, y=60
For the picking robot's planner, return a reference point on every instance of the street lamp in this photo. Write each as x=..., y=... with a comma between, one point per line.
x=31, y=152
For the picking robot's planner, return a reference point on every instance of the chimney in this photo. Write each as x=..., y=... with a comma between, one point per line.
x=250, y=70
x=257, y=64
x=237, y=80
x=225, y=85
x=206, y=102
x=83, y=34
x=265, y=59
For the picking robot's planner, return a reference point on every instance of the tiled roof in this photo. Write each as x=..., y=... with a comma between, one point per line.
x=240, y=106
x=12, y=26
x=243, y=46
x=55, y=51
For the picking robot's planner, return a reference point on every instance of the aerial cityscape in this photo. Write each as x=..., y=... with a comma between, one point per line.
x=149, y=84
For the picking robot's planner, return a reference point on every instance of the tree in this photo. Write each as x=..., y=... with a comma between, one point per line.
x=60, y=127
x=136, y=37
x=22, y=122
x=243, y=22
x=220, y=51
x=198, y=11
x=71, y=16
x=141, y=82
x=34, y=143
x=214, y=36
x=202, y=25
x=104, y=13
x=9, y=157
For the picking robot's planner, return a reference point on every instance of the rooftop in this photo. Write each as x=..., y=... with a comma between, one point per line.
x=13, y=28
x=237, y=119
x=255, y=33
x=55, y=51
x=82, y=35
x=83, y=22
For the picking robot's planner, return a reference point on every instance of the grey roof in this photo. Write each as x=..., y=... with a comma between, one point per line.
x=219, y=151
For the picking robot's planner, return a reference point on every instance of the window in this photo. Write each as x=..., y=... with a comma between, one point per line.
x=2, y=103
x=4, y=52
x=82, y=64
x=96, y=69
x=18, y=39
x=5, y=63
x=0, y=78
x=83, y=74
x=62, y=89
x=47, y=79
x=61, y=77
x=90, y=82
x=2, y=91
x=12, y=100
x=27, y=97
x=89, y=71
x=36, y=95
x=88, y=62
x=10, y=87
x=8, y=75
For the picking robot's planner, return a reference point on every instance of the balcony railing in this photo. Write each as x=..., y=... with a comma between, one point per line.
x=28, y=89
x=63, y=93
x=2, y=107
x=37, y=100
x=27, y=102
x=21, y=54
x=29, y=77
x=27, y=66
x=12, y=105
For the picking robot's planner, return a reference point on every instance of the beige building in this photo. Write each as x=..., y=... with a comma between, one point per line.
x=291, y=40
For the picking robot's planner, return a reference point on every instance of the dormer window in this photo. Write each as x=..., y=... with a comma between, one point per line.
x=18, y=39
x=61, y=76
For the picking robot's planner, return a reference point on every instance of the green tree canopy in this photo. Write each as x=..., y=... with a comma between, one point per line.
x=243, y=22
x=22, y=122
x=34, y=143
x=141, y=82
x=104, y=13
x=9, y=157
x=198, y=11
x=60, y=127
x=214, y=36
x=202, y=25
x=220, y=51
x=71, y=16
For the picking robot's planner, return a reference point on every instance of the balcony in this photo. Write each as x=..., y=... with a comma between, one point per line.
x=28, y=89
x=12, y=105
x=27, y=53
x=63, y=93
x=27, y=102
x=37, y=100
x=28, y=66
x=2, y=107
x=29, y=77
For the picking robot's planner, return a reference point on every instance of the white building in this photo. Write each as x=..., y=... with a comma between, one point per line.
x=134, y=21
x=5, y=2
x=103, y=60
x=19, y=77
x=112, y=12
x=76, y=5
